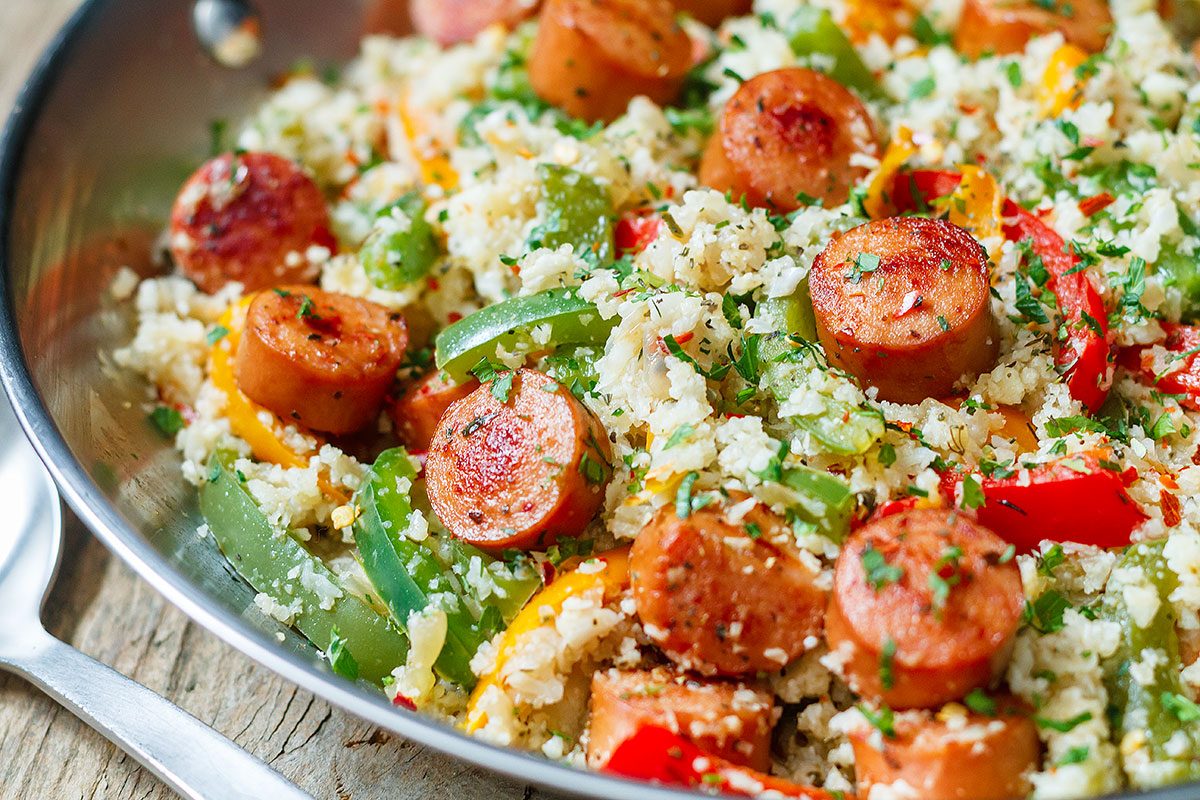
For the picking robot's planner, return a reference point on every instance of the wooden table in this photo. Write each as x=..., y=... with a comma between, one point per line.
x=102, y=608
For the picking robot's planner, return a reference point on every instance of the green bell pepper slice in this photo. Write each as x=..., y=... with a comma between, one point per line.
x=824, y=500
x=272, y=564
x=571, y=319
x=394, y=258
x=788, y=357
x=577, y=211
x=812, y=30
x=404, y=572
x=1181, y=273
x=410, y=576
x=1154, y=710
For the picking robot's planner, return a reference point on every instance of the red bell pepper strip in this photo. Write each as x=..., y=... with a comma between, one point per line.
x=656, y=754
x=634, y=233
x=1184, y=378
x=1074, y=499
x=1085, y=357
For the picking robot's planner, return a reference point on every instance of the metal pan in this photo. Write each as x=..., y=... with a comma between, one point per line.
x=112, y=120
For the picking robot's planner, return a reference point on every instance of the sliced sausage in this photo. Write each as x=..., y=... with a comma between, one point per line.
x=248, y=218
x=953, y=756
x=591, y=57
x=320, y=359
x=1006, y=26
x=454, y=21
x=731, y=721
x=519, y=466
x=904, y=305
x=924, y=608
x=723, y=597
x=713, y=12
x=416, y=413
x=787, y=134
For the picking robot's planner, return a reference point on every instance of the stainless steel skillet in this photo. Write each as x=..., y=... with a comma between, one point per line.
x=115, y=116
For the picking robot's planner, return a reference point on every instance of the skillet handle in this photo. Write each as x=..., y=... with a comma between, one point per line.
x=190, y=757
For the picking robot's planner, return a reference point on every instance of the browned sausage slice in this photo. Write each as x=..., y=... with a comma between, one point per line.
x=248, y=218
x=924, y=608
x=731, y=721
x=320, y=359
x=904, y=305
x=713, y=12
x=721, y=597
x=519, y=467
x=786, y=134
x=591, y=57
x=954, y=756
x=453, y=21
x=416, y=413
x=1006, y=26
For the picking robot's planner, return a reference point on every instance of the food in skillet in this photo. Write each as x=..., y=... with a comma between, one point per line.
x=787, y=401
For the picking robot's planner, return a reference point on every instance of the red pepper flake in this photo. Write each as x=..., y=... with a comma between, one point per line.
x=1090, y=206
x=1171, y=509
x=453, y=316
x=549, y=571
x=621, y=293
x=432, y=283
x=400, y=701
x=681, y=340
x=1129, y=476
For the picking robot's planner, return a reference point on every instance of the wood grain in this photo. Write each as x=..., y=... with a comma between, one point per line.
x=99, y=606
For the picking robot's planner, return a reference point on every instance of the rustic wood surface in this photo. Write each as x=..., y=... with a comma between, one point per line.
x=102, y=608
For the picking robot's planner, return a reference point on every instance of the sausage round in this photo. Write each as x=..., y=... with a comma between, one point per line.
x=724, y=598
x=904, y=305
x=786, y=134
x=1006, y=26
x=521, y=469
x=591, y=57
x=731, y=721
x=902, y=642
x=248, y=218
x=454, y=21
x=952, y=757
x=713, y=12
x=416, y=412
x=321, y=359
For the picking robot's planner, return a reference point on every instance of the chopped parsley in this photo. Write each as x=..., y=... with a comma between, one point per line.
x=887, y=676
x=1063, y=726
x=167, y=420
x=980, y=703
x=879, y=572
x=340, y=659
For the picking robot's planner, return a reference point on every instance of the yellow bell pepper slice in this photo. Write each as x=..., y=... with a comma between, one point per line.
x=434, y=165
x=877, y=203
x=1061, y=87
x=975, y=204
x=543, y=608
x=243, y=413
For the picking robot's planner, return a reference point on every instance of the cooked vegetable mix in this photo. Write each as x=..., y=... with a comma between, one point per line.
x=772, y=399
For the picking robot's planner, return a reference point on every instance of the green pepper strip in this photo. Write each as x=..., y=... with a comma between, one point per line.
x=825, y=500
x=843, y=428
x=812, y=31
x=394, y=259
x=1181, y=273
x=265, y=558
x=405, y=572
x=1144, y=710
x=577, y=211
x=572, y=320
x=410, y=575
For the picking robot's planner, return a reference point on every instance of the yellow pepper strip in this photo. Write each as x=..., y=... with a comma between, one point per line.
x=877, y=202
x=888, y=19
x=1019, y=428
x=975, y=204
x=434, y=165
x=243, y=412
x=1061, y=87
x=541, y=610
